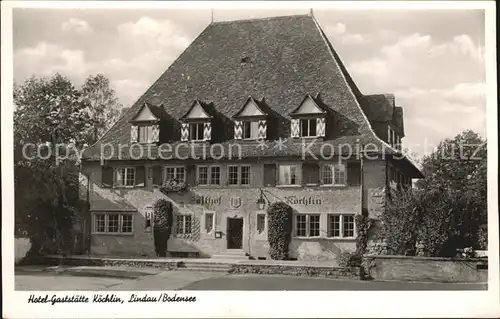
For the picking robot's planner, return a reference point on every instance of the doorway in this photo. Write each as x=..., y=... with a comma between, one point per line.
x=234, y=233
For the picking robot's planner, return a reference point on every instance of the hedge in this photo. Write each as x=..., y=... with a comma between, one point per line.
x=163, y=219
x=279, y=230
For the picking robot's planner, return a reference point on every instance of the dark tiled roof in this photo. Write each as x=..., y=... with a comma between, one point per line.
x=278, y=59
x=377, y=108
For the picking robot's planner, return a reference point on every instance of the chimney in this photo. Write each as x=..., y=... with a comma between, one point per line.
x=391, y=99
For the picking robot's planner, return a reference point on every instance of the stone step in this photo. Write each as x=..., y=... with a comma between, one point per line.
x=204, y=269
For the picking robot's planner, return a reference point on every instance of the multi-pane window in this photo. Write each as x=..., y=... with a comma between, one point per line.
x=250, y=130
x=196, y=131
x=183, y=224
x=289, y=175
x=341, y=226
x=307, y=225
x=333, y=174
x=113, y=223
x=125, y=176
x=245, y=175
x=100, y=223
x=214, y=175
x=209, y=222
x=238, y=175
x=126, y=223
x=233, y=175
x=145, y=133
x=261, y=223
x=177, y=173
x=202, y=175
x=208, y=175
x=308, y=127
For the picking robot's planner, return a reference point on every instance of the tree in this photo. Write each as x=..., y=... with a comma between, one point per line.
x=50, y=115
x=448, y=209
x=104, y=106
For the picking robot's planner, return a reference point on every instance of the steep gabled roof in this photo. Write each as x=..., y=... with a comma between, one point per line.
x=157, y=112
x=280, y=58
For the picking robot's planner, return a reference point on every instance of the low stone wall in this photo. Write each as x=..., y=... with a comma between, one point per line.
x=435, y=269
x=21, y=246
x=328, y=272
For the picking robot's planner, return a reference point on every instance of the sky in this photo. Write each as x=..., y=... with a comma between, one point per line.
x=432, y=61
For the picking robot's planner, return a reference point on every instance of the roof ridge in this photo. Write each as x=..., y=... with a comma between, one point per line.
x=262, y=19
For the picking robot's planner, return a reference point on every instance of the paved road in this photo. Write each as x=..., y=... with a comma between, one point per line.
x=189, y=280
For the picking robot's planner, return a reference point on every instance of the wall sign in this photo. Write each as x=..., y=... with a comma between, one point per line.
x=235, y=202
x=218, y=234
x=207, y=200
x=148, y=217
x=303, y=200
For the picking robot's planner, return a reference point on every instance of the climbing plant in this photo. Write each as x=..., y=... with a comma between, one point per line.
x=279, y=230
x=163, y=219
x=363, y=225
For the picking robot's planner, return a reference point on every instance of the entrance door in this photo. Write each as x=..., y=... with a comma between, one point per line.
x=235, y=233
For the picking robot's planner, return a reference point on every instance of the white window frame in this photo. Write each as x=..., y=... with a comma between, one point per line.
x=240, y=175
x=184, y=224
x=308, y=127
x=308, y=225
x=149, y=133
x=253, y=135
x=341, y=225
x=126, y=170
x=335, y=181
x=209, y=175
x=106, y=223
x=206, y=214
x=175, y=172
x=298, y=175
x=192, y=136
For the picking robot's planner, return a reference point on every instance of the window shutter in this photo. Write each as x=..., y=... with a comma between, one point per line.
x=107, y=177
x=157, y=175
x=184, y=132
x=207, y=131
x=320, y=126
x=155, y=133
x=261, y=135
x=191, y=175
x=139, y=176
x=310, y=173
x=270, y=175
x=238, y=130
x=354, y=173
x=133, y=134
x=295, y=130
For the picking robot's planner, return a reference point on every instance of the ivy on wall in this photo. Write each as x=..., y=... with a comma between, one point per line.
x=163, y=220
x=279, y=230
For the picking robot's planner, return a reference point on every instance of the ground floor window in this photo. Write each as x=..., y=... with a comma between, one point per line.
x=307, y=225
x=209, y=222
x=183, y=224
x=118, y=223
x=341, y=225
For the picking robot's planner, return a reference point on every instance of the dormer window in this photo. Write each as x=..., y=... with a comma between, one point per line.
x=197, y=124
x=250, y=130
x=308, y=127
x=251, y=121
x=196, y=131
x=308, y=119
x=145, y=127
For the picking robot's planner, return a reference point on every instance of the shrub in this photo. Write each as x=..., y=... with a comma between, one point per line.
x=163, y=219
x=482, y=238
x=280, y=230
x=173, y=186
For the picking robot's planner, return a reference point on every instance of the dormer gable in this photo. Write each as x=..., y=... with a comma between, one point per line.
x=308, y=119
x=198, y=111
x=145, y=126
x=308, y=106
x=250, y=121
x=197, y=123
x=251, y=108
